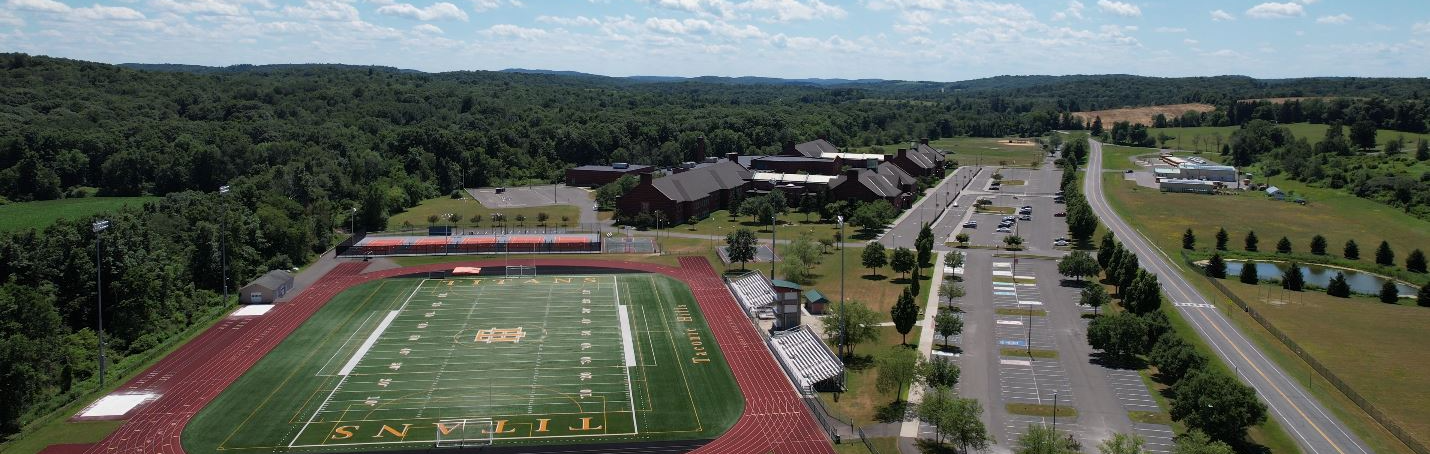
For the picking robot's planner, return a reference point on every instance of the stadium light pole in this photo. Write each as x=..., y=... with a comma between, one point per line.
x=1055, y=413
x=99, y=227
x=223, y=238
x=774, y=219
x=844, y=317
x=352, y=222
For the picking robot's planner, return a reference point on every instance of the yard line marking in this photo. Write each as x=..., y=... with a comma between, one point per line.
x=628, y=344
x=368, y=343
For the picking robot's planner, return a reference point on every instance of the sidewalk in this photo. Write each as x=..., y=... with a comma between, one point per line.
x=910, y=429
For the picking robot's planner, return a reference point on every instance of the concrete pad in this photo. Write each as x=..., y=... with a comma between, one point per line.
x=1015, y=362
x=1031, y=303
x=252, y=310
x=1010, y=322
x=1002, y=273
x=116, y=405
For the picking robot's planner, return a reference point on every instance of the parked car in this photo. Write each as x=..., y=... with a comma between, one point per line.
x=1060, y=214
x=1004, y=230
x=1026, y=217
x=970, y=225
x=1060, y=243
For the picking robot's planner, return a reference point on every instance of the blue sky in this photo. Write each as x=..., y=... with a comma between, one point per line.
x=942, y=40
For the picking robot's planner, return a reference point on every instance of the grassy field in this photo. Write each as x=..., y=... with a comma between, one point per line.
x=467, y=207
x=977, y=150
x=62, y=433
x=1376, y=347
x=431, y=367
x=1186, y=138
x=38, y=215
x=791, y=225
x=1144, y=115
x=884, y=445
x=862, y=403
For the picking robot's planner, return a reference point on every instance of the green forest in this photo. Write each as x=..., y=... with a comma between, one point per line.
x=312, y=149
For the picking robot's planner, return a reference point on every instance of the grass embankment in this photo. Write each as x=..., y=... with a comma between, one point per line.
x=884, y=445
x=1063, y=411
x=1377, y=348
x=38, y=215
x=1028, y=353
x=416, y=217
x=791, y=225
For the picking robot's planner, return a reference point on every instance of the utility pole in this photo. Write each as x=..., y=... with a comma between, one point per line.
x=774, y=219
x=844, y=323
x=1055, y=414
x=223, y=239
x=99, y=227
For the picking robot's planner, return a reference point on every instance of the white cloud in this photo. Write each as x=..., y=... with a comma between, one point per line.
x=199, y=7
x=514, y=31
x=792, y=10
x=1191, y=42
x=322, y=10
x=1336, y=19
x=710, y=8
x=1219, y=15
x=436, y=11
x=9, y=18
x=1272, y=10
x=427, y=29
x=1074, y=11
x=1170, y=30
x=49, y=6
x=568, y=21
x=1420, y=27
x=100, y=12
x=1119, y=8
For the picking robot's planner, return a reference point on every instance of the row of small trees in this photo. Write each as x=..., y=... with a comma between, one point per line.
x=1291, y=279
x=1384, y=255
x=496, y=218
x=1203, y=398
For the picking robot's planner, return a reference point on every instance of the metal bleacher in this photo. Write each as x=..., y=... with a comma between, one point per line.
x=753, y=290
x=806, y=358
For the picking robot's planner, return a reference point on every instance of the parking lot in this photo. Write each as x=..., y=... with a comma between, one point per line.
x=1038, y=232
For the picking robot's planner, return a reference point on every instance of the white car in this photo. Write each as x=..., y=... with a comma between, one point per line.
x=1005, y=230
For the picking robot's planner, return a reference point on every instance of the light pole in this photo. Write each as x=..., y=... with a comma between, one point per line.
x=99, y=226
x=352, y=222
x=774, y=219
x=223, y=239
x=844, y=317
x=1055, y=414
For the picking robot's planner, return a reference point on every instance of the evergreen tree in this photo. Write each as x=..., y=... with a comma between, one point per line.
x=1422, y=297
x=1283, y=246
x=1189, y=241
x=1351, y=251
x=1383, y=254
x=1251, y=241
x=1248, y=273
x=1221, y=238
x=1338, y=286
x=1216, y=267
x=1415, y=262
x=1389, y=294
x=1318, y=245
x=1292, y=279
x=904, y=314
x=1422, y=150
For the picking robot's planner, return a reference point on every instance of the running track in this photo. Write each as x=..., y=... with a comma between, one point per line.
x=774, y=419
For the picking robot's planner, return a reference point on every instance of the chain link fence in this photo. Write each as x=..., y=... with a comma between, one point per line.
x=1379, y=416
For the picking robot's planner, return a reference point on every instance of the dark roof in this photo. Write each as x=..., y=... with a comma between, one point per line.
x=814, y=296
x=934, y=154
x=896, y=174
x=920, y=159
x=816, y=148
x=878, y=184
x=781, y=283
x=698, y=183
x=596, y=168
x=793, y=159
x=273, y=280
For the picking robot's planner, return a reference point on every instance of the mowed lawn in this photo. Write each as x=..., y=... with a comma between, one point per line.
x=1186, y=138
x=1378, y=348
x=38, y=215
x=466, y=206
x=680, y=399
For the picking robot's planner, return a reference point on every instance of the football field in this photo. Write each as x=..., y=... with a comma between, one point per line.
x=405, y=363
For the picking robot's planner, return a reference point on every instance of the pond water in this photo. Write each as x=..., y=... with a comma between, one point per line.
x=1319, y=276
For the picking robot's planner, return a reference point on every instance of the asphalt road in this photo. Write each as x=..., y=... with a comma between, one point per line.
x=1305, y=420
x=936, y=200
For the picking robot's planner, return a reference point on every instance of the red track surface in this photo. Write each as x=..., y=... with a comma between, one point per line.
x=775, y=420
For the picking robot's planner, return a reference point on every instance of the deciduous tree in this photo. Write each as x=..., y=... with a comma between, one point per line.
x=902, y=261
x=897, y=368
x=1216, y=404
x=873, y=257
x=1041, y=439
x=858, y=322
x=947, y=324
x=1078, y=265
x=1094, y=296
x=1122, y=444
x=740, y=246
x=1121, y=336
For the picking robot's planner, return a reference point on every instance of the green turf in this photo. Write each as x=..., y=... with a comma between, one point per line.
x=38, y=215
x=431, y=368
x=1313, y=133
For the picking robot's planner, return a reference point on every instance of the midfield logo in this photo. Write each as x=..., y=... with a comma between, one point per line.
x=490, y=335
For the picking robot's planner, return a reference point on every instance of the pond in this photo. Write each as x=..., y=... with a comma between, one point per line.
x=1320, y=276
